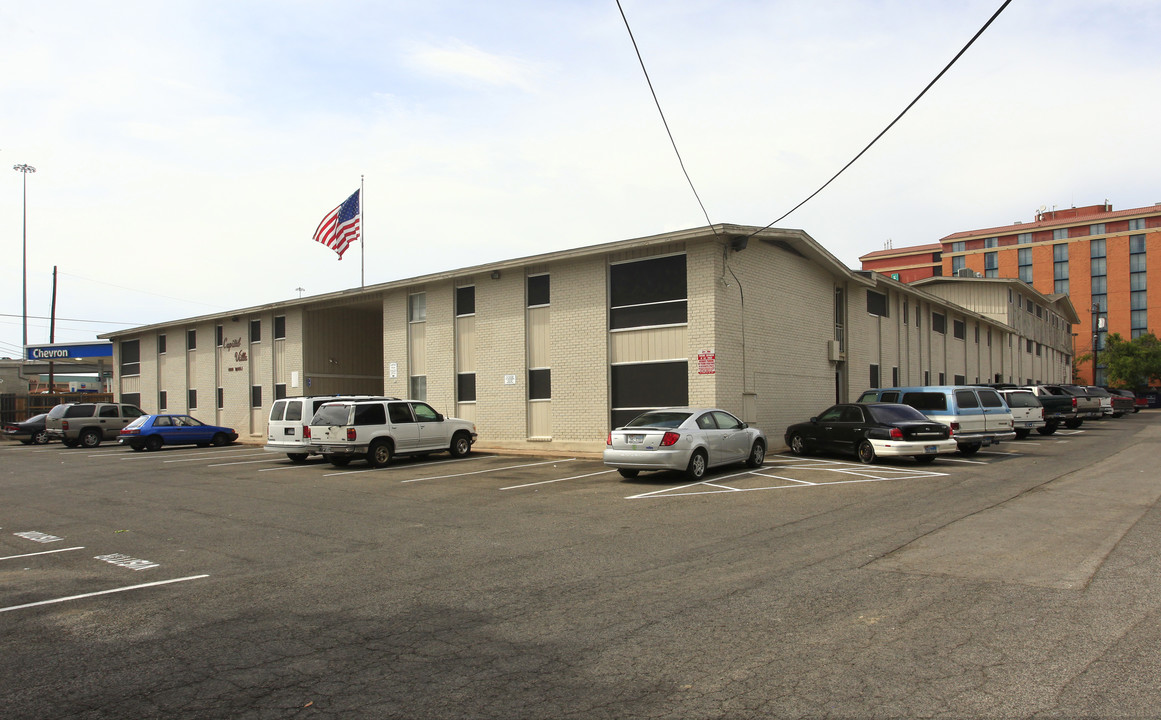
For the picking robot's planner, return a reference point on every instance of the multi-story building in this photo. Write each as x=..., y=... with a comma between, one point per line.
x=1104, y=260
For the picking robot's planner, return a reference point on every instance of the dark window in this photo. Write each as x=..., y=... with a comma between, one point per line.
x=161, y=344
x=278, y=411
x=891, y=397
x=938, y=323
x=538, y=290
x=424, y=412
x=192, y=399
x=642, y=386
x=294, y=411
x=191, y=339
x=370, y=414
x=400, y=413
x=959, y=380
x=466, y=300
x=162, y=400
x=990, y=398
x=874, y=376
x=279, y=391
x=130, y=357
x=925, y=400
x=255, y=331
x=648, y=292
x=280, y=327
x=540, y=384
x=876, y=303
x=221, y=398
x=107, y=411
x=255, y=396
x=466, y=387
x=220, y=334
x=133, y=399
x=894, y=376
x=958, y=329
x=966, y=399
x=941, y=379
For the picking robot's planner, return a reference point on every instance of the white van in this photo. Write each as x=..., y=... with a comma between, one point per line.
x=288, y=417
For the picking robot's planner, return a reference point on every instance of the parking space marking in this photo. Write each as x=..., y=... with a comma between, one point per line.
x=488, y=470
x=147, y=455
x=202, y=457
x=43, y=552
x=101, y=592
x=547, y=482
x=397, y=467
x=247, y=462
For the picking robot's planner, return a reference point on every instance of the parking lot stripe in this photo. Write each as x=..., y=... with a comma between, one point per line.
x=202, y=457
x=46, y=552
x=489, y=470
x=247, y=462
x=546, y=482
x=101, y=592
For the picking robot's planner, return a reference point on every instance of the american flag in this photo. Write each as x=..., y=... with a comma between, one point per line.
x=340, y=227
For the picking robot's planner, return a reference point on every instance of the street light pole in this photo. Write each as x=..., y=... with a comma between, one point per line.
x=25, y=169
x=1096, y=338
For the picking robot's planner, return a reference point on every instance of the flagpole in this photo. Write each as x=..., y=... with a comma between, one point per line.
x=362, y=236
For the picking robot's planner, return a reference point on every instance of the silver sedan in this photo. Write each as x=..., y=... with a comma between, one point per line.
x=686, y=439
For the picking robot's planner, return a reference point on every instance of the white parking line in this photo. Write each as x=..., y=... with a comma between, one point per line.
x=147, y=455
x=490, y=470
x=247, y=462
x=202, y=458
x=547, y=482
x=396, y=467
x=101, y=592
x=46, y=552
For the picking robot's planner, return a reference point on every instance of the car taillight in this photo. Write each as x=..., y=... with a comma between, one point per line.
x=1074, y=403
x=351, y=434
x=306, y=432
x=64, y=424
x=127, y=431
x=896, y=434
x=1041, y=413
x=609, y=440
x=953, y=427
x=669, y=438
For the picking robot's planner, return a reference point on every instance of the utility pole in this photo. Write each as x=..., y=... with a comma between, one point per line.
x=25, y=168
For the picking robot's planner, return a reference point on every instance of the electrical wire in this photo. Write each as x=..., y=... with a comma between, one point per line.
x=897, y=118
x=663, y=120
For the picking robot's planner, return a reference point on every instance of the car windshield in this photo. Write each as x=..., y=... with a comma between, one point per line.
x=332, y=415
x=888, y=414
x=1021, y=399
x=659, y=418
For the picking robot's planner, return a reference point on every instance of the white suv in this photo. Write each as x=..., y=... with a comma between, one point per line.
x=286, y=426
x=377, y=430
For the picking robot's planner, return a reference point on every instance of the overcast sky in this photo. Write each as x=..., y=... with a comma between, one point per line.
x=186, y=151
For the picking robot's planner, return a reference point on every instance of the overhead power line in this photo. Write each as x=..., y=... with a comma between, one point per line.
x=892, y=124
x=662, y=113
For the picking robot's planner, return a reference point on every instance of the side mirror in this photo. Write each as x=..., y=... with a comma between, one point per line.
x=438, y=417
x=814, y=419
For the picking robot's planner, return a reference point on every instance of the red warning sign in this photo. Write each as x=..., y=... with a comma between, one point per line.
x=705, y=362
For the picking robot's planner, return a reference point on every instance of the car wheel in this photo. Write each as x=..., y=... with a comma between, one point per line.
x=757, y=455
x=461, y=444
x=90, y=438
x=40, y=438
x=627, y=473
x=924, y=459
x=697, y=465
x=297, y=457
x=970, y=449
x=26, y=442
x=1047, y=429
x=1021, y=434
x=796, y=445
x=338, y=460
x=137, y=447
x=68, y=443
x=1073, y=424
x=219, y=439
x=866, y=452
x=154, y=443
x=379, y=454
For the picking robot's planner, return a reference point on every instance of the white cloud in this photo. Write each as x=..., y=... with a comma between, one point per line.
x=458, y=61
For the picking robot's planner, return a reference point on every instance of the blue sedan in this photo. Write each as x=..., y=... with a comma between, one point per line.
x=150, y=432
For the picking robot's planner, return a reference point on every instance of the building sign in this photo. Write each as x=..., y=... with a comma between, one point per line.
x=706, y=360
x=74, y=351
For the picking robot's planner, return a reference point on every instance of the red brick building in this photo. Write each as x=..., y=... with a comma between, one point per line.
x=1106, y=261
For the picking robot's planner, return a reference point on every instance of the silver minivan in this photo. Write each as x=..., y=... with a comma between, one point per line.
x=288, y=417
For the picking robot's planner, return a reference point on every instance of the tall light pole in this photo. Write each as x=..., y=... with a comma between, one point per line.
x=25, y=169
x=1098, y=324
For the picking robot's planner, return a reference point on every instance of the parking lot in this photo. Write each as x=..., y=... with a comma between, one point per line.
x=230, y=582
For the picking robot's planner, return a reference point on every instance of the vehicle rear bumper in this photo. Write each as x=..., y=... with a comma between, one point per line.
x=290, y=448
x=646, y=459
x=984, y=439
x=889, y=448
x=338, y=449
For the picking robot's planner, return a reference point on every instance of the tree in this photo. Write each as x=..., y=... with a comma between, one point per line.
x=1132, y=363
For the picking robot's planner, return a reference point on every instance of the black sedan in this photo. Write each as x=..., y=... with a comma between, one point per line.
x=871, y=430
x=29, y=432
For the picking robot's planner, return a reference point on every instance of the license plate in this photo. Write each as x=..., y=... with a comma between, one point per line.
x=930, y=449
x=634, y=439
x=1029, y=424
x=331, y=450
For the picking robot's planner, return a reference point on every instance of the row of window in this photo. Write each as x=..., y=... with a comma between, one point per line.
x=877, y=305
x=1057, y=234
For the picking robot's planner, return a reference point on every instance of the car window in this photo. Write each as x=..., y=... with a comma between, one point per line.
x=833, y=414
x=869, y=397
x=705, y=421
x=132, y=411
x=372, y=414
x=163, y=421
x=294, y=411
x=852, y=415
x=727, y=421
x=138, y=422
x=400, y=413
x=1021, y=399
x=59, y=411
x=659, y=419
x=80, y=411
x=892, y=396
x=990, y=398
x=107, y=411
x=896, y=413
x=966, y=399
x=332, y=415
x=926, y=400
x=277, y=411
x=424, y=412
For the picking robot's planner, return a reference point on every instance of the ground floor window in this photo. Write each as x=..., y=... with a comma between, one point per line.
x=465, y=387
x=637, y=387
x=131, y=398
x=418, y=387
x=162, y=400
x=192, y=399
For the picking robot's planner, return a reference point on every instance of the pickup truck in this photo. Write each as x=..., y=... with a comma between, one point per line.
x=1063, y=406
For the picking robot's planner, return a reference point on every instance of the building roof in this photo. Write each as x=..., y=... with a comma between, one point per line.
x=901, y=252
x=1054, y=219
x=1061, y=302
